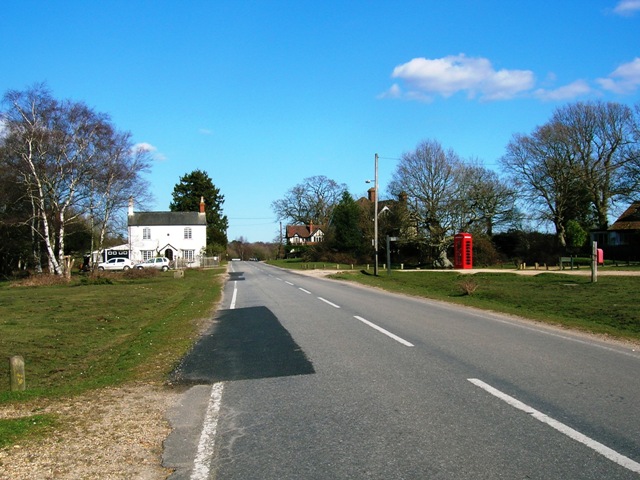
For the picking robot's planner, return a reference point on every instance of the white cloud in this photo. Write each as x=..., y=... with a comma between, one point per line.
x=205, y=131
x=566, y=92
x=153, y=151
x=452, y=74
x=624, y=79
x=393, y=92
x=145, y=147
x=627, y=7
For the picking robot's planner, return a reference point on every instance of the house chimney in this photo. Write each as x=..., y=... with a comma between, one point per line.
x=201, y=204
x=311, y=228
x=372, y=194
x=130, y=206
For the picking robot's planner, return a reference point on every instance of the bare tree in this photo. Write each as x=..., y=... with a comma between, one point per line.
x=429, y=177
x=61, y=152
x=116, y=179
x=313, y=200
x=603, y=137
x=445, y=195
x=485, y=201
x=545, y=170
x=576, y=165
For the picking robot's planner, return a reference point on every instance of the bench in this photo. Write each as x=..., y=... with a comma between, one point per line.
x=564, y=260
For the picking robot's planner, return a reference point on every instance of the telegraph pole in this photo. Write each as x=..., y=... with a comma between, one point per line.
x=375, y=219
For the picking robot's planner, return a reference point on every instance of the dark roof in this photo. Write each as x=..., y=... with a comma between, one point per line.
x=302, y=230
x=144, y=219
x=629, y=220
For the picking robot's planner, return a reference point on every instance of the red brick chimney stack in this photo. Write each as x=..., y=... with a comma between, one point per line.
x=201, y=204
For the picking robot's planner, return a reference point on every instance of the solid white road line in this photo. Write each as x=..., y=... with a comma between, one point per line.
x=561, y=427
x=206, y=445
x=305, y=291
x=328, y=302
x=386, y=332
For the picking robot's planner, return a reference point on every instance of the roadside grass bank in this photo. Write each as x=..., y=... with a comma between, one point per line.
x=579, y=264
x=97, y=331
x=607, y=307
x=299, y=264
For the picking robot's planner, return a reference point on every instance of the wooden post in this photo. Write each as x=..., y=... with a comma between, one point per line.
x=594, y=262
x=16, y=364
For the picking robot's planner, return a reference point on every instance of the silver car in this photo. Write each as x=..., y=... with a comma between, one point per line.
x=116, y=264
x=159, y=263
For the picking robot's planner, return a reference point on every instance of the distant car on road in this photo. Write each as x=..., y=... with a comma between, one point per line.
x=116, y=264
x=159, y=263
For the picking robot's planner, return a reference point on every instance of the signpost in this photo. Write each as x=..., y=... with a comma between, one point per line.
x=389, y=240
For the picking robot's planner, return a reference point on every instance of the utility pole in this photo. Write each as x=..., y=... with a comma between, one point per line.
x=375, y=218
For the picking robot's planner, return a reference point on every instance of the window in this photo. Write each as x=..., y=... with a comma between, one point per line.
x=147, y=255
x=189, y=255
x=146, y=233
x=187, y=233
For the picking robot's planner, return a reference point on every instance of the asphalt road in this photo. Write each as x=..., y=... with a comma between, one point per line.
x=306, y=378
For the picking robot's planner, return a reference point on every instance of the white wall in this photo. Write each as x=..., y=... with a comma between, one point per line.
x=167, y=234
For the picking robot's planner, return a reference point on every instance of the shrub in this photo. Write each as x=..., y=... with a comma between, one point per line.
x=42, y=280
x=468, y=285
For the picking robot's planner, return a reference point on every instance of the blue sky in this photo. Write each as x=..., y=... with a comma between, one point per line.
x=262, y=94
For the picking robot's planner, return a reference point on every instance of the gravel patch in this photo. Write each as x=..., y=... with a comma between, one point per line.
x=113, y=433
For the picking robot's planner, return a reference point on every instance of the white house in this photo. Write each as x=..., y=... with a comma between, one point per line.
x=179, y=236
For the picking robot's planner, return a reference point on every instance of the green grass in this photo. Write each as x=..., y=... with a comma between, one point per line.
x=34, y=427
x=98, y=331
x=299, y=264
x=609, y=306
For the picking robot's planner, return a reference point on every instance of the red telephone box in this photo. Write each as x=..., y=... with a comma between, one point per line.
x=463, y=250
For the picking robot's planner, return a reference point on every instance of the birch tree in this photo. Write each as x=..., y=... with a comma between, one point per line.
x=60, y=151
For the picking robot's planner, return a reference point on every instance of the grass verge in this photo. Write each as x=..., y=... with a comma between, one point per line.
x=608, y=306
x=98, y=331
x=299, y=264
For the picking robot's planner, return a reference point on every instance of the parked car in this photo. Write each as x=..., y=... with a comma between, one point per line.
x=159, y=263
x=116, y=264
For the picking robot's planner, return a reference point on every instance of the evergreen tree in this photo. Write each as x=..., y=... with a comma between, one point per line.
x=186, y=198
x=348, y=237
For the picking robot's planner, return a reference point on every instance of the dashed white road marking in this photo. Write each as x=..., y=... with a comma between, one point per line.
x=234, y=296
x=328, y=302
x=561, y=427
x=305, y=291
x=288, y=283
x=386, y=332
